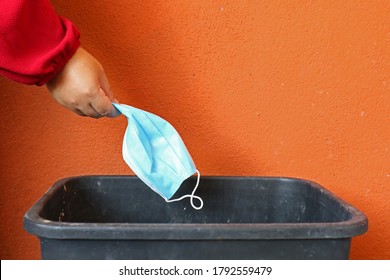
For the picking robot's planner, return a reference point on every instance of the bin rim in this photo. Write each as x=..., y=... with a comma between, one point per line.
x=35, y=224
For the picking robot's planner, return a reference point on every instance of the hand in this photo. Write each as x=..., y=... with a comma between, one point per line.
x=82, y=87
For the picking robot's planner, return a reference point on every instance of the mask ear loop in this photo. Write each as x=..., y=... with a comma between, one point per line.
x=191, y=196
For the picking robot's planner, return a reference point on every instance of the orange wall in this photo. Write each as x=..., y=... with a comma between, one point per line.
x=285, y=88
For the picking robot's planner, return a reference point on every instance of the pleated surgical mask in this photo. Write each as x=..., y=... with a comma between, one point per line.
x=155, y=152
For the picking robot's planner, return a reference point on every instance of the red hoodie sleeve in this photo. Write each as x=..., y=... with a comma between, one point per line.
x=35, y=43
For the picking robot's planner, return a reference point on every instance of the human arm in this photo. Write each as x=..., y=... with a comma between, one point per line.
x=36, y=47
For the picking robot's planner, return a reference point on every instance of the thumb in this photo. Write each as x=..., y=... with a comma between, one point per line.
x=105, y=85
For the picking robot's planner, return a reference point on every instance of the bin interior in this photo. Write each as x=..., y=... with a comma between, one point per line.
x=126, y=199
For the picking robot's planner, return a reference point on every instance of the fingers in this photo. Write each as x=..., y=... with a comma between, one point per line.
x=96, y=105
x=89, y=111
x=84, y=111
x=103, y=105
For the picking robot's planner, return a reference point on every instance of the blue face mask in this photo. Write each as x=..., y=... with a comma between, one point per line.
x=155, y=152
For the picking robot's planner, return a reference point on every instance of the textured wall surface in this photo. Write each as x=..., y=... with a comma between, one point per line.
x=267, y=88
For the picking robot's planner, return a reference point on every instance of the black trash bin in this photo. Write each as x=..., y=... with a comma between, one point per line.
x=119, y=217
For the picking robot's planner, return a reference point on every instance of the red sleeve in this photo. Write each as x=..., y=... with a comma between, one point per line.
x=35, y=43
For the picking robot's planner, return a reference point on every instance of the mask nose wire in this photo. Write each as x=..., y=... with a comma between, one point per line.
x=191, y=196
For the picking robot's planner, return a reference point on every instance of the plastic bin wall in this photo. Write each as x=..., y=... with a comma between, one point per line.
x=119, y=217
